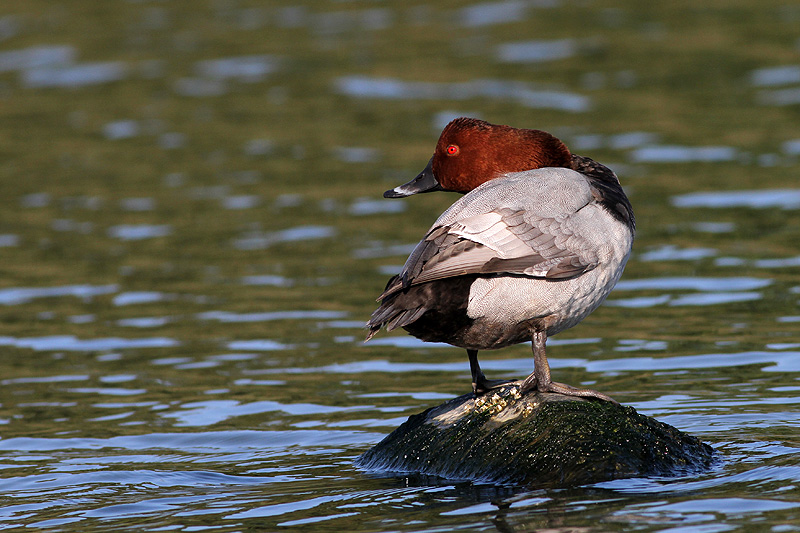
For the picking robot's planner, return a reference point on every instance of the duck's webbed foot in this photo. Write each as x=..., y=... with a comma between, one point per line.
x=540, y=380
x=483, y=385
x=532, y=383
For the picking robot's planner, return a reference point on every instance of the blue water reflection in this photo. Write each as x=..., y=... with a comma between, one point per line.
x=758, y=199
x=521, y=93
x=21, y=295
x=72, y=343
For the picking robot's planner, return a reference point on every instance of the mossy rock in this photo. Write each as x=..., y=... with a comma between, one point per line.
x=536, y=439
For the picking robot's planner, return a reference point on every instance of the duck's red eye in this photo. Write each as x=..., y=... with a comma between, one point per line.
x=452, y=150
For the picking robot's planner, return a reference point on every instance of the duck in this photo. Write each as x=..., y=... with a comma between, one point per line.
x=535, y=244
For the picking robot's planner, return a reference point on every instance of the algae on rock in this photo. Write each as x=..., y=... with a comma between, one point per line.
x=539, y=439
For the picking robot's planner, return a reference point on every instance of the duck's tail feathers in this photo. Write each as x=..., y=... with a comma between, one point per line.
x=390, y=317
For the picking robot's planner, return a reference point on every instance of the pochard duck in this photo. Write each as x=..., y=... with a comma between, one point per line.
x=536, y=243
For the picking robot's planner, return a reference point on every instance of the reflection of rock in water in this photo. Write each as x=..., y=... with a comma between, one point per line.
x=537, y=439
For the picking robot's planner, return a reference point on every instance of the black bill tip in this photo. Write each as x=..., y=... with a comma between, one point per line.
x=424, y=182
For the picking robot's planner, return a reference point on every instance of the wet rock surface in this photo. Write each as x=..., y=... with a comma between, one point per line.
x=539, y=439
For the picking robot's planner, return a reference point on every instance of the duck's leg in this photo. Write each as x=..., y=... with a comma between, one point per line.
x=540, y=378
x=480, y=384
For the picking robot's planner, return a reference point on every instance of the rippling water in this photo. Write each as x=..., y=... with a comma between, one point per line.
x=193, y=236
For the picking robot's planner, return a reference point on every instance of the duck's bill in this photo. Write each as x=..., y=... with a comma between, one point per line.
x=424, y=182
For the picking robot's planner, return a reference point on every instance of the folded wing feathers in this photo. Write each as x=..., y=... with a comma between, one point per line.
x=465, y=257
x=500, y=241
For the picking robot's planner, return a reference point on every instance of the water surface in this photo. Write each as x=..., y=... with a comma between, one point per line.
x=194, y=233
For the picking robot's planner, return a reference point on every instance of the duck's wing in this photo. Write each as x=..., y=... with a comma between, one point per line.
x=502, y=240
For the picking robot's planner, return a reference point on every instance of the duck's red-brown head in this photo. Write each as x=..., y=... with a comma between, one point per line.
x=471, y=152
